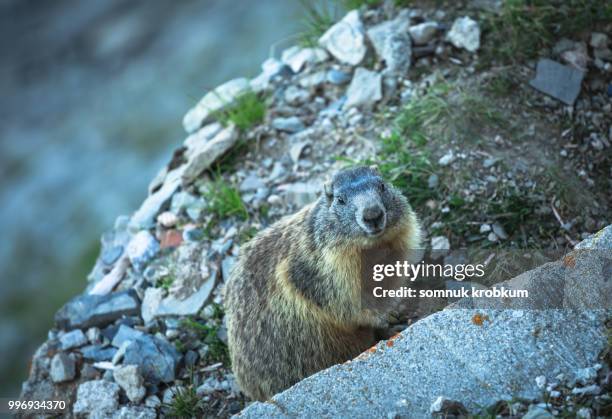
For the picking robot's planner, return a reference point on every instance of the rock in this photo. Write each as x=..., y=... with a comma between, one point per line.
x=540, y=381
x=392, y=43
x=97, y=310
x=440, y=247
x=492, y=237
x=191, y=204
x=167, y=219
x=296, y=58
x=447, y=159
x=295, y=96
x=338, y=77
x=125, y=334
x=200, y=158
x=537, y=412
x=152, y=401
x=214, y=101
x=142, y=248
x=578, y=58
x=72, y=339
x=600, y=240
x=63, y=368
x=365, y=89
x=251, y=183
x=129, y=379
x=170, y=239
x=465, y=33
x=433, y=181
x=345, y=40
x=484, y=228
x=593, y=390
x=97, y=396
x=271, y=68
x=313, y=80
x=558, y=80
x=110, y=255
x=299, y=194
x=97, y=353
x=202, y=135
x=499, y=231
x=424, y=32
x=599, y=40
x=153, y=305
x=291, y=124
x=156, y=357
x=134, y=412
x=296, y=150
x=144, y=217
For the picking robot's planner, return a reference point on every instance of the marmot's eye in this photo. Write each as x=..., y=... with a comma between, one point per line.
x=340, y=200
x=382, y=187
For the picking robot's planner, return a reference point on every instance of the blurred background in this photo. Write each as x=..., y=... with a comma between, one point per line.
x=93, y=94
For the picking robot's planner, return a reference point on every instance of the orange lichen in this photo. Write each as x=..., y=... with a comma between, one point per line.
x=569, y=261
x=479, y=319
x=389, y=343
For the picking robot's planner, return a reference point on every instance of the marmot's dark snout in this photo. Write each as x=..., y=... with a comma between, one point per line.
x=373, y=218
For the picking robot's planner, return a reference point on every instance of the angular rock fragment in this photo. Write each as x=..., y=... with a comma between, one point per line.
x=345, y=40
x=86, y=311
x=557, y=80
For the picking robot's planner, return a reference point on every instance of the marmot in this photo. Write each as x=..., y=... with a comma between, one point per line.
x=293, y=301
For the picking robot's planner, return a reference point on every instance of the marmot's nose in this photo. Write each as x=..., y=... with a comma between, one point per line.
x=373, y=214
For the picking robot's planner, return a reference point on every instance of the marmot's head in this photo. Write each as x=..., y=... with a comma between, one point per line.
x=361, y=205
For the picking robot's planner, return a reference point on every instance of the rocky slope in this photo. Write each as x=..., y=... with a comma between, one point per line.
x=147, y=335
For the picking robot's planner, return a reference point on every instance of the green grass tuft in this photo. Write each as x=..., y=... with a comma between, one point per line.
x=209, y=334
x=248, y=110
x=319, y=16
x=185, y=404
x=224, y=201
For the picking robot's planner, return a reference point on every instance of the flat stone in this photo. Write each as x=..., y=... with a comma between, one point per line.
x=345, y=40
x=157, y=358
x=557, y=80
x=251, y=183
x=97, y=396
x=338, y=77
x=72, y=339
x=424, y=32
x=97, y=310
x=98, y=353
x=214, y=101
x=465, y=33
x=154, y=306
x=129, y=379
x=365, y=89
x=134, y=412
x=145, y=216
x=201, y=157
x=291, y=124
x=296, y=58
x=63, y=368
x=202, y=135
x=392, y=43
x=126, y=334
x=295, y=95
x=440, y=246
x=142, y=248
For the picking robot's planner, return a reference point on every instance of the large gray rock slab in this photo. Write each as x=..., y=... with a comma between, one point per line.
x=557, y=80
x=203, y=154
x=87, y=311
x=474, y=355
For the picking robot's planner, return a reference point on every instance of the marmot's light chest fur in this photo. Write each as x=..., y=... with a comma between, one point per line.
x=293, y=302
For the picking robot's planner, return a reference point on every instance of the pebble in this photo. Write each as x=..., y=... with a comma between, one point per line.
x=193, y=234
x=338, y=77
x=422, y=33
x=345, y=40
x=294, y=95
x=63, y=368
x=540, y=381
x=499, y=231
x=251, y=183
x=433, y=181
x=167, y=219
x=73, y=339
x=447, y=159
x=484, y=228
x=291, y=124
x=440, y=246
x=365, y=89
x=111, y=254
x=97, y=396
x=129, y=379
x=142, y=248
x=465, y=33
x=157, y=358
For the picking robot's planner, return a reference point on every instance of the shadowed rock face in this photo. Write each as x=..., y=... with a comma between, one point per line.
x=560, y=330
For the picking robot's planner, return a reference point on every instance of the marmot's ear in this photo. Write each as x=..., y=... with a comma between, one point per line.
x=375, y=169
x=327, y=188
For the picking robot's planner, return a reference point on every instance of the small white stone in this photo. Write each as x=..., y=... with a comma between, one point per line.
x=540, y=381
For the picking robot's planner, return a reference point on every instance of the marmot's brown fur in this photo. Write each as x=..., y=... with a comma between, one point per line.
x=294, y=301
